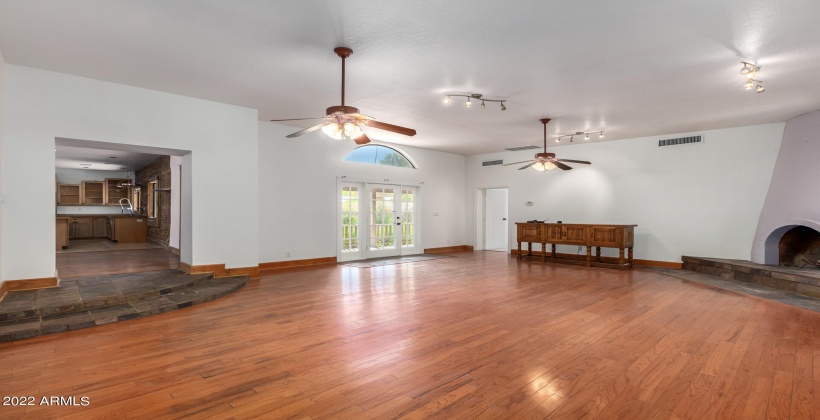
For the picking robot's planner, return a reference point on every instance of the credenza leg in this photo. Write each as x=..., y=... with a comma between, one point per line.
x=589, y=256
x=543, y=252
x=519, y=250
x=620, y=257
x=598, y=253
x=553, y=252
x=630, y=257
x=529, y=249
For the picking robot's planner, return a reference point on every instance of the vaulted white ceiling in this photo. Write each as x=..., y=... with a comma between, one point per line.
x=637, y=68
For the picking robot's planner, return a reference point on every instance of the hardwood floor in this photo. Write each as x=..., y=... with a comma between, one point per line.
x=481, y=335
x=85, y=264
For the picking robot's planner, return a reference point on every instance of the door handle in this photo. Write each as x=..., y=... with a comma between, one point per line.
x=398, y=224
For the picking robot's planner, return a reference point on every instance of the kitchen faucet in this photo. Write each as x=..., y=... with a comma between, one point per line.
x=130, y=207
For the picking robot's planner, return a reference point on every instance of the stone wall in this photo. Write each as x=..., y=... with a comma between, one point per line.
x=159, y=230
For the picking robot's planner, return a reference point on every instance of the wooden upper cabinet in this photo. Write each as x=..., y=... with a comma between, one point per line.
x=92, y=192
x=68, y=194
x=113, y=193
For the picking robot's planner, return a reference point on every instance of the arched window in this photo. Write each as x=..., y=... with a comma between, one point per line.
x=377, y=154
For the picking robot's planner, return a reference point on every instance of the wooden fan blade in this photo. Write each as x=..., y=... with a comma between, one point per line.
x=525, y=167
x=359, y=117
x=575, y=161
x=390, y=127
x=363, y=139
x=514, y=163
x=305, y=131
x=301, y=119
x=561, y=165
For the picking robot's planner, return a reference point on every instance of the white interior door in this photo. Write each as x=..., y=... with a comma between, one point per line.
x=495, y=220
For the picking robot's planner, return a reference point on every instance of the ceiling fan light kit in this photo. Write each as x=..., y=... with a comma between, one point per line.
x=448, y=99
x=749, y=72
x=345, y=122
x=546, y=161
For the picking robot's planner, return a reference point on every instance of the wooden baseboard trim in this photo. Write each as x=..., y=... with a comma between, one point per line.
x=30, y=284
x=443, y=249
x=614, y=260
x=3, y=291
x=268, y=266
x=219, y=270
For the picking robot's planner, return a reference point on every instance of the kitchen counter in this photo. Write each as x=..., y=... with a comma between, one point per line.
x=116, y=227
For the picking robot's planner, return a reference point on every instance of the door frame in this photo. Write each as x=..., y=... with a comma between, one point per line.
x=364, y=214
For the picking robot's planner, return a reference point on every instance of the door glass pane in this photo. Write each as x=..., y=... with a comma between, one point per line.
x=382, y=218
x=407, y=218
x=350, y=219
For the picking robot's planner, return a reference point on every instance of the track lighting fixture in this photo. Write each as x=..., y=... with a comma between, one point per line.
x=749, y=71
x=476, y=96
x=579, y=133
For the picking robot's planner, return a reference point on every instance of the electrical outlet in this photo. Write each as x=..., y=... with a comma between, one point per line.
x=287, y=253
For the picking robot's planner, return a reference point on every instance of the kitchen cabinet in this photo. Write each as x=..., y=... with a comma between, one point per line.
x=129, y=229
x=92, y=192
x=80, y=227
x=62, y=233
x=68, y=194
x=99, y=227
x=113, y=193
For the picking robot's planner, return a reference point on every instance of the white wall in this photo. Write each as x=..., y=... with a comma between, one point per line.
x=695, y=199
x=76, y=176
x=792, y=198
x=297, y=190
x=43, y=105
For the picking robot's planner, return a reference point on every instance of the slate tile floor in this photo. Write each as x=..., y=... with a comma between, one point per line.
x=90, y=301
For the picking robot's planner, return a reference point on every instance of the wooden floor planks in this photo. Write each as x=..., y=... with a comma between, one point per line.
x=481, y=335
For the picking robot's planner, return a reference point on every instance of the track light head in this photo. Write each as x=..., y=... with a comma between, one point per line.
x=600, y=136
x=749, y=85
x=482, y=105
x=468, y=104
x=760, y=88
x=447, y=100
x=503, y=108
x=586, y=136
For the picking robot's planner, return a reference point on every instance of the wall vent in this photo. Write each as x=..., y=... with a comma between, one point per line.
x=492, y=162
x=680, y=140
x=517, y=148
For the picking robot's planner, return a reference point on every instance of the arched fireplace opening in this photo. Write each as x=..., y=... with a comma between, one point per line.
x=798, y=245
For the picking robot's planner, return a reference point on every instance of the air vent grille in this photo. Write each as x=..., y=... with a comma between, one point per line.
x=517, y=148
x=680, y=140
x=492, y=162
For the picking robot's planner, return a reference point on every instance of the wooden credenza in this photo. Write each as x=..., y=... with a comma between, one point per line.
x=586, y=235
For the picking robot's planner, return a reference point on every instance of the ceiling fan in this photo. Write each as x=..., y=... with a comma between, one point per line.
x=345, y=122
x=547, y=161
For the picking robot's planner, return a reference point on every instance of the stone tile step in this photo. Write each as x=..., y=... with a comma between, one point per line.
x=95, y=292
x=210, y=289
x=802, y=281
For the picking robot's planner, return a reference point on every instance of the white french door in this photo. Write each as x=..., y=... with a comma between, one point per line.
x=377, y=220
